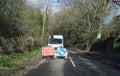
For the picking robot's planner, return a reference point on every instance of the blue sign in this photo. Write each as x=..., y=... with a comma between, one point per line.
x=61, y=51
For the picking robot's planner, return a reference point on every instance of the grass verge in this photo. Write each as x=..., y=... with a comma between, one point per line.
x=11, y=63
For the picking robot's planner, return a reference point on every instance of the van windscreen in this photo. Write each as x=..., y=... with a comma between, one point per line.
x=55, y=41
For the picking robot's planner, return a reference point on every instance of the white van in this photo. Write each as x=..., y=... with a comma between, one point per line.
x=56, y=41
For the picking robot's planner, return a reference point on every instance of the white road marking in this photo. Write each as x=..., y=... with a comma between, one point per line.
x=72, y=62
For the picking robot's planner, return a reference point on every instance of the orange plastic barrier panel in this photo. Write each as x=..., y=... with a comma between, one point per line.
x=48, y=51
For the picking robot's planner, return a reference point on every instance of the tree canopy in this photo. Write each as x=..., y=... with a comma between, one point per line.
x=80, y=22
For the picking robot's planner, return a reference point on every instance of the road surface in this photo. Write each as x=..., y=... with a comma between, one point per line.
x=76, y=65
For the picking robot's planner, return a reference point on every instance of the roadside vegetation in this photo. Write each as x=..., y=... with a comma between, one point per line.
x=20, y=27
x=20, y=34
x=11, y=63
x=83, y=26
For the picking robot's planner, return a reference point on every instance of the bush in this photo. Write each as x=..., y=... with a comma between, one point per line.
x=37, y=44
x=99, y=46
x=5, y=61
x=116, y=48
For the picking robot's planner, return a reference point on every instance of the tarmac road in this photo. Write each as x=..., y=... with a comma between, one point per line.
x=76, y=65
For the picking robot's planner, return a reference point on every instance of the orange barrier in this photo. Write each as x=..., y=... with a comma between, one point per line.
x=48, y=51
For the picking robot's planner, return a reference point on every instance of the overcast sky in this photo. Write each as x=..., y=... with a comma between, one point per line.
x=55, y=7
x=113, y=13
x=54, y=4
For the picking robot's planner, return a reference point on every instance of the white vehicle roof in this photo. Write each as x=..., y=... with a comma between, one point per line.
x=58, y=36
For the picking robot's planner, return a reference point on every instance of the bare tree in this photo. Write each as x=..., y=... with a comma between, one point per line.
x=85, y=19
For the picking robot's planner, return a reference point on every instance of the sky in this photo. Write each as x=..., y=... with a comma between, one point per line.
x=34, y=3
x=54, y=4
x=55, y=7
x=112, y=14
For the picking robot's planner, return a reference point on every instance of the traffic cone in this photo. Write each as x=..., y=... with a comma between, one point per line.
x=55, y=56
x=66, y=57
